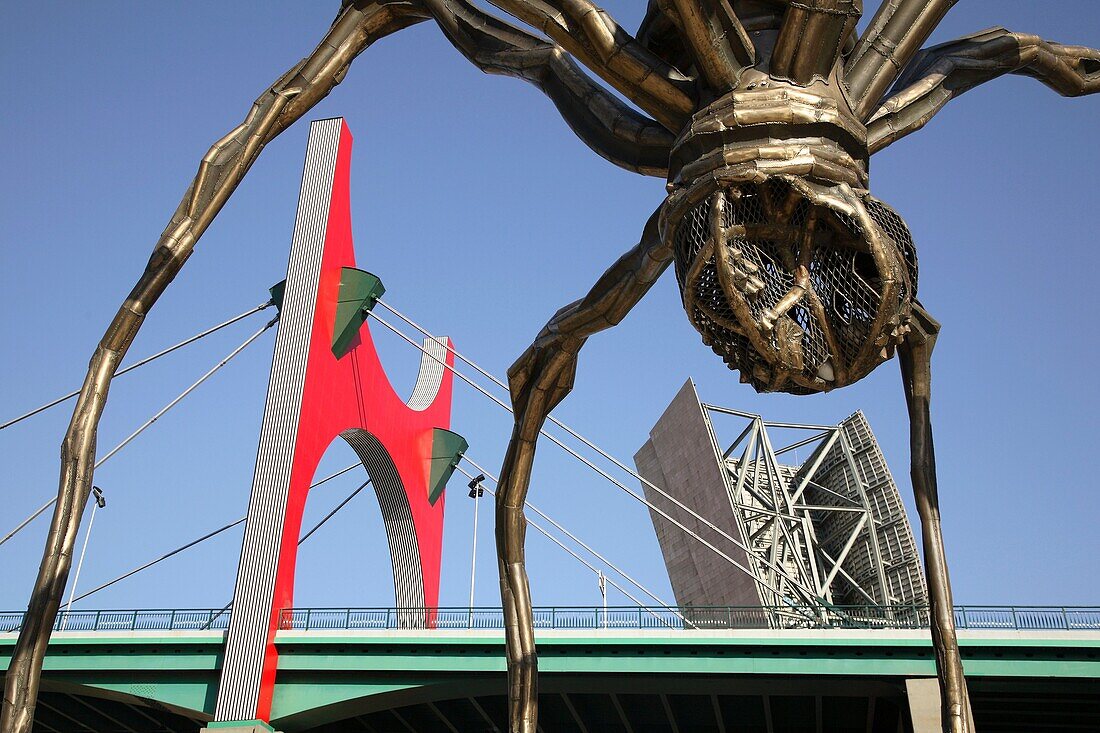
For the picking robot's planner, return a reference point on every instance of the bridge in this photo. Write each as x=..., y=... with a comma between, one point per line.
x=629, y=669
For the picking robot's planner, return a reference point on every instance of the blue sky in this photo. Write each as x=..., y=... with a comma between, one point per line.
x=483, y=214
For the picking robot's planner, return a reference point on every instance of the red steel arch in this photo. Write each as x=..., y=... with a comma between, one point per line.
x=327, y=381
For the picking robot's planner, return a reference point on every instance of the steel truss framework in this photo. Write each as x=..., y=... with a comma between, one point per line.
x=828, y=532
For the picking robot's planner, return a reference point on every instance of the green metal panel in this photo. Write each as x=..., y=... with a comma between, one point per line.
x=359, y=291
x=302, y=693
x=447, y=450
x=691, y=653
x=676, y=638
x=318, y=670
x=137, y=652
x=178, y=669
x=197, y=696
x=277, y=290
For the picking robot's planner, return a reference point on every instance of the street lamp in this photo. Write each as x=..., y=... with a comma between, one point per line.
x=476, y=491
x=100, y=502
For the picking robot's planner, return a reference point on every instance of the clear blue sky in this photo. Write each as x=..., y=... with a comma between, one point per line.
x=483, y=215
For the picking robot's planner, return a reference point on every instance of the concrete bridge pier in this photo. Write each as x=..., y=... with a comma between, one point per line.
x=923, y=694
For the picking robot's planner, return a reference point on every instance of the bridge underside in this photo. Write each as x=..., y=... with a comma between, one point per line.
x=752, y=681
x=616, y=704
x=69, y=707
x=660, y=705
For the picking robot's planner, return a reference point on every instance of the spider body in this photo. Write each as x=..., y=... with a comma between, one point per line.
x=763, y=115
x=787, y=267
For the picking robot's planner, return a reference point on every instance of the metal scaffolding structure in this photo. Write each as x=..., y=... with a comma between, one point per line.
x=829, y=532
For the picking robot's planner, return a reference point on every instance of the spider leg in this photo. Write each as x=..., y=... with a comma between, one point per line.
x=943, y=72
x=607, y=125
x=812, y=38
x=221, y=170
x=915, y=355
x=719, y=43
x=601, y=44
x=886, y=47
x=659, y=33
x=539, y=380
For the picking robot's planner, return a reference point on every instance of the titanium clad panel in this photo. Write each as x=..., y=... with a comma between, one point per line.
x=680, y=458
x=850, y=510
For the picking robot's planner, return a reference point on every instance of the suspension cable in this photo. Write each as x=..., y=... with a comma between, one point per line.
x=148, y=422
x=186, y=392
x=331, y=476
x=49, y=503
x=584, y=562
x=573, y=537
x=28, y=520
x=556, y=441
x=143, y=362
x=329, y=516
x=151, y=563
x=215, y=534
x=304, y=537
x=619, y=464
x=209, y=535
x=555, y=421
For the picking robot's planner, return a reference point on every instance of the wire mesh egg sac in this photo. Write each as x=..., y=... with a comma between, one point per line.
x=837, y=330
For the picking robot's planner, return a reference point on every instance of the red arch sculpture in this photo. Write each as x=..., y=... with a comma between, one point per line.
x=327, y=380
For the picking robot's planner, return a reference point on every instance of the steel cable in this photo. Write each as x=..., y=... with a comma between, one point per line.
x=218, y=531
x=149, y=422
x=143, y=362
x=304, y=537
x=570, y=535
x=556, y=441
x=584, y=562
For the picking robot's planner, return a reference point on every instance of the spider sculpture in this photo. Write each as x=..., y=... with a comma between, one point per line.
x=762, y=114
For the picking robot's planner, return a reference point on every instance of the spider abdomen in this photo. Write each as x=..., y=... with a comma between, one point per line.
x=789, y=269
x=799, y=292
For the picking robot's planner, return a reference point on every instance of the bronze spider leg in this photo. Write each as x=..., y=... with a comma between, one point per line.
x=915, y=355
x=941, y=73
x=539, y=380
x=660, y=34
x=719, y=43
x=221, y=170
x=601, y=44
x=812, y=38
x=607, y=125
x=894, y=36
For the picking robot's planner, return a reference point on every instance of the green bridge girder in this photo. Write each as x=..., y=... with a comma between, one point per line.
x=329, y=676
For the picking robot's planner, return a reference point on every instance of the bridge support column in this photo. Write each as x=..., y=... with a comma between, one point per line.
x=924, y=705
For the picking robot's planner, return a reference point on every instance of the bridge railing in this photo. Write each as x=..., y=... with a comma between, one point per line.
x=1023, y=618
x=1043, y=618
x=189, y=619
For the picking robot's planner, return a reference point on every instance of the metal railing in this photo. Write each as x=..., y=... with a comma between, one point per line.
x=1040, y=618
x=127, y=620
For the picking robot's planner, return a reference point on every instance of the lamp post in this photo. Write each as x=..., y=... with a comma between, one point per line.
x=603, y=594
x=100, y=502
x=476, y=490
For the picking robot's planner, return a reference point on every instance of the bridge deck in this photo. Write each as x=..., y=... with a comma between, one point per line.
x=786, y=680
